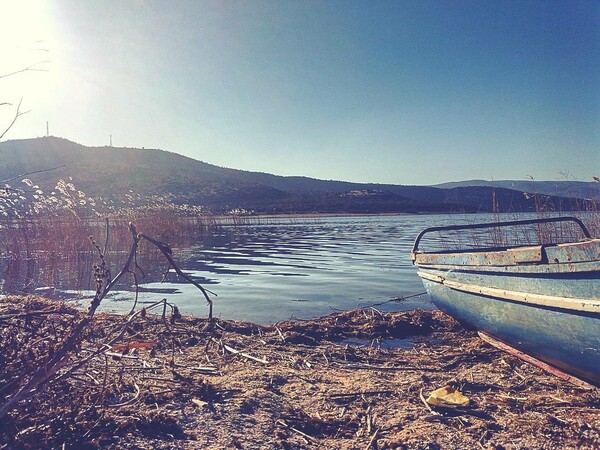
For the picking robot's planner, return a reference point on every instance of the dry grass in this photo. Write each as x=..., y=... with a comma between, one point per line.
x=295, y=385
x=68, y=235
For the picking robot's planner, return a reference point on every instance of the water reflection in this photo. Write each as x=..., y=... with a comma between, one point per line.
x=264, y=272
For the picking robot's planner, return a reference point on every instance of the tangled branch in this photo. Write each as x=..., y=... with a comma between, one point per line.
x=59, y=358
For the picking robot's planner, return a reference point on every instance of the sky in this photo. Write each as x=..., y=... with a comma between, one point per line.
x=402, y=92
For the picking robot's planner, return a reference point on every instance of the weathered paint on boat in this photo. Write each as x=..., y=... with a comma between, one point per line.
x=543, y=300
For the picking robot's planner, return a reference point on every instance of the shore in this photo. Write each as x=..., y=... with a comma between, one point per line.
x=351, y=380
x=316, y=215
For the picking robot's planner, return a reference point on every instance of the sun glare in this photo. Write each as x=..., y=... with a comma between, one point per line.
x=25, y=40
x=24, y=33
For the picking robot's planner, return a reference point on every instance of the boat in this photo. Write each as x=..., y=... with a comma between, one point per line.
x=542, y=299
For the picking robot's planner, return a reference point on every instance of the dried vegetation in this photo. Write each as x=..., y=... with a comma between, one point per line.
x=171, y=382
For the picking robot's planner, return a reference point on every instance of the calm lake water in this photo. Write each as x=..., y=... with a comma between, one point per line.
x=270, y=271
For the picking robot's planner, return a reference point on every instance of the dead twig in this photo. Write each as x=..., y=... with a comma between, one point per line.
x=387, y=368
x=238, y=352
x=435, y=413
x=131, y=400
x=358, y=394
x=308, y=438
x=372, y=440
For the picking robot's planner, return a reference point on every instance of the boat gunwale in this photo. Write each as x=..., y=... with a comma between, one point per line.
x=504, y=248
x=516, y=258
x=415, y=252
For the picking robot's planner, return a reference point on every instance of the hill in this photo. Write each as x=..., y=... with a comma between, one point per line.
x=129, y=177
x=576, y=189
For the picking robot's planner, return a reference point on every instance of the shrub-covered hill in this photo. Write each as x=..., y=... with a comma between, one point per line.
x=129, y=177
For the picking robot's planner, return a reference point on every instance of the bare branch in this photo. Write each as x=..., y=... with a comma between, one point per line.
x=26, y=174
x=18, y=113
x=167, y=253
x=32, y=68
x=49, y=370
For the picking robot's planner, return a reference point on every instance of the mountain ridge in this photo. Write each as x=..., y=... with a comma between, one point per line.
x=571, y=188
x=118, y=174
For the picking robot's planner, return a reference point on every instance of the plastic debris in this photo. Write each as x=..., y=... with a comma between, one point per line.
x=447, y=397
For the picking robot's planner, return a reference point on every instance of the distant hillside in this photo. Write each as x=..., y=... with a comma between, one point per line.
x=575, y=189
x=127, y=177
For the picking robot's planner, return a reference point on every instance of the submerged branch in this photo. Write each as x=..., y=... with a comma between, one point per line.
x=167, y=252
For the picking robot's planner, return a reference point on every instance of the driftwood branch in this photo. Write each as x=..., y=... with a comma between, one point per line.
x=168, y=254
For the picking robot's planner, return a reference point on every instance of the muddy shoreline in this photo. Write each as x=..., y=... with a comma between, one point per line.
x=335, y=382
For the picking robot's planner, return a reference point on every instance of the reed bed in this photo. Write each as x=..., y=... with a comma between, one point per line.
x=43, y=237
x=60, y=222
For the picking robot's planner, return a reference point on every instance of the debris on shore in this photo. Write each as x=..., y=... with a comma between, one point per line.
x=357, y=379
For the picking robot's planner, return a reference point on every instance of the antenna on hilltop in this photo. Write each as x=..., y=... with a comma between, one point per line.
x=47, y=129
x=111, y=140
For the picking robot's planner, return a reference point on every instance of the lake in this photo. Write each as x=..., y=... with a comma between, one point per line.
x=268, y=270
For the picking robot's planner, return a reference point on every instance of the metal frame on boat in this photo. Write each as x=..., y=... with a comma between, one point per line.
x=542, y=299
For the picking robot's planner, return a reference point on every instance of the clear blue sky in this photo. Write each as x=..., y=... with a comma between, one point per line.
x=404, y=92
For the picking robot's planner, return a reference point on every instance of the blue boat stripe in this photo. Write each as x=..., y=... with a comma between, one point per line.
x=573, y=304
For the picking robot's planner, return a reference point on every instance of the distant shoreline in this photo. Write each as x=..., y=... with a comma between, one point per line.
x=311, y=215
